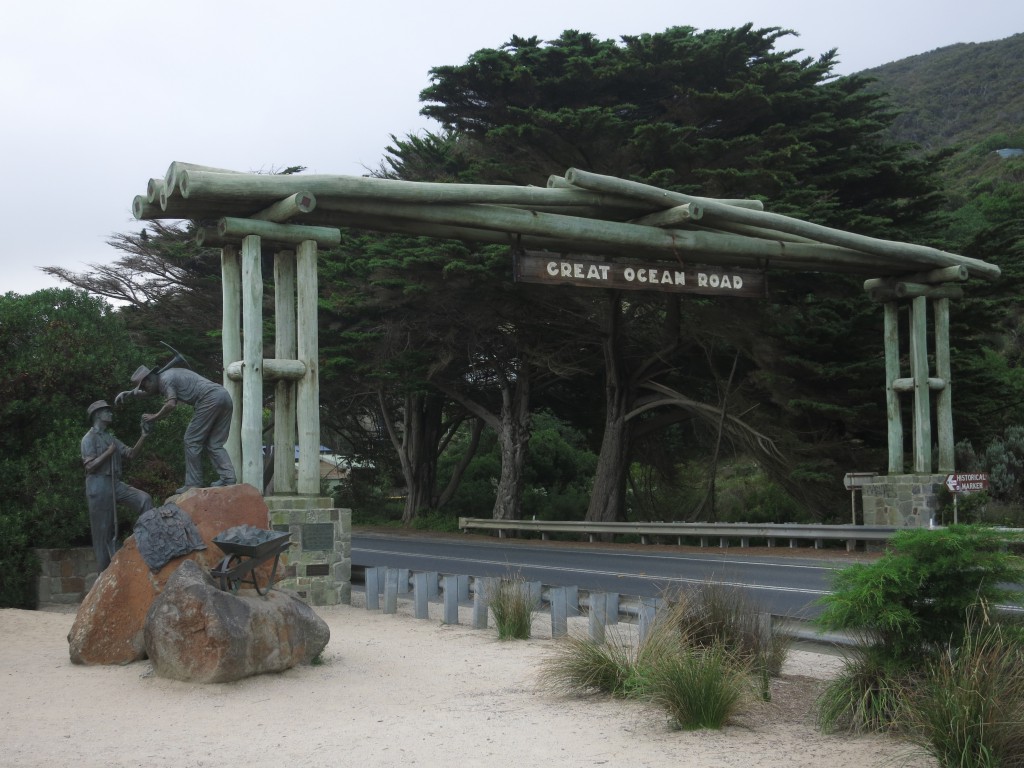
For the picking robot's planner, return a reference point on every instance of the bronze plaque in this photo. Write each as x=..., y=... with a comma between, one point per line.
x=317, y=537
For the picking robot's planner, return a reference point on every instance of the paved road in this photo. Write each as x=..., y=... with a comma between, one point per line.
x=786, y=586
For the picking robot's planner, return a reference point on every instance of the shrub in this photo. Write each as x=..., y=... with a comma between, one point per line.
x=917, y=596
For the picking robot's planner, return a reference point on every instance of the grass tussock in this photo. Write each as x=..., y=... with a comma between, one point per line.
x=868, y=696
x=969, y=708
x=700, y=662
x=513, y=605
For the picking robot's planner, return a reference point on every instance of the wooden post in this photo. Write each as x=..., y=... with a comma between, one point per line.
x=231, y=336
x=892, y=400
x=922, y=396
x=308, y=391
x=285, y=348
x=944, y=398
x=252, y=358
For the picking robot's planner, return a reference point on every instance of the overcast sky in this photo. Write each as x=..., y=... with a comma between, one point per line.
x=98, y=97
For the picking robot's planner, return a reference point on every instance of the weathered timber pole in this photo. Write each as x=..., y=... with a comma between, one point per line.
x=252, y=358
x=285, y=348
x=922, y=393
x=894, y=417
x=712, y=212
x=308, y=391
x=944, y=399
x=231, y=342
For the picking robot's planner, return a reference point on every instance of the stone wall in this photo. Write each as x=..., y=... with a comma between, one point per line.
x=905, y=501
x=65, y=575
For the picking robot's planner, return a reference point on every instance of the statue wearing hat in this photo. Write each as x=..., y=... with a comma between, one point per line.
x=102, y=454
x=211, y=420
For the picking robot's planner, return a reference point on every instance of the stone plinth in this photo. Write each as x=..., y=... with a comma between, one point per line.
x=904, y=501
x=65, y=575
x=319, y=562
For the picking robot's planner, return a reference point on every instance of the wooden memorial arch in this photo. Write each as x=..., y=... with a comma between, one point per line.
x=578, y=213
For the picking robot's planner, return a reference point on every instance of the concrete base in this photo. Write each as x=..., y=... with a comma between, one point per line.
x=319, y=562
x=905, y=501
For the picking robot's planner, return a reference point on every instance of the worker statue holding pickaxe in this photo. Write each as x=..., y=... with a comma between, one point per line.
x=211, y=420
x=102, y=454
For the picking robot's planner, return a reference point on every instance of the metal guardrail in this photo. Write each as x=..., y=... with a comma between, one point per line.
x=724, y=532
x=602, y=609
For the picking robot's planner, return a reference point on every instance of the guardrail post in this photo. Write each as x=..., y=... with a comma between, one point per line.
x=372, y=581
x=483, y=587
x=450, y=585
x=559, y=611
x=572, y=601
x=420, y=596
x=462, y=586
x=432, y=588
x=391, y=590
x=598, y=616
x=612, y=608
x=648, y=609
x=403, y=581
x=536, y=593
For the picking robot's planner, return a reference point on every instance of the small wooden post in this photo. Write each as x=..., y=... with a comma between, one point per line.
x=285, y=348
x=231, y=342
x=894, y=417
x=252, y=358
x=308, y=391
x=922, y=396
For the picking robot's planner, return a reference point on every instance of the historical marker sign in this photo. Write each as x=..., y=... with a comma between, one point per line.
x=548, y=269
x=967, y=482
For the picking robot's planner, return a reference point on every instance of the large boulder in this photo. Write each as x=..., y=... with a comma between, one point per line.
x=199, y=633
x=109, y=626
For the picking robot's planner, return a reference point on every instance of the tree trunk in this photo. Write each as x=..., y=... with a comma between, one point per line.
x=416, y=447
x=608, y=496
x=514, y=440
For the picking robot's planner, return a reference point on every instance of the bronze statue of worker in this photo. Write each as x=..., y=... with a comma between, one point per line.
x=211, y=420
x=102, y=456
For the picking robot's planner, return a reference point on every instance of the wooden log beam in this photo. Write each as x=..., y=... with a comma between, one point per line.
x=561, y=182
x=233, y=227
x=586, y=233
x=955, y=274
x=670, y=217
x=254, y=188
x=274, y=369
x=935, y=384
x=282, y=210
x=906, y=291
x=713, y=213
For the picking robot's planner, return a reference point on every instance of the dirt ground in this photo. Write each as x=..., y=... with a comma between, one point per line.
x=392, y=690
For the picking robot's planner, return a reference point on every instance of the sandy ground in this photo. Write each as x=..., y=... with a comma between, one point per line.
x=392, y=691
